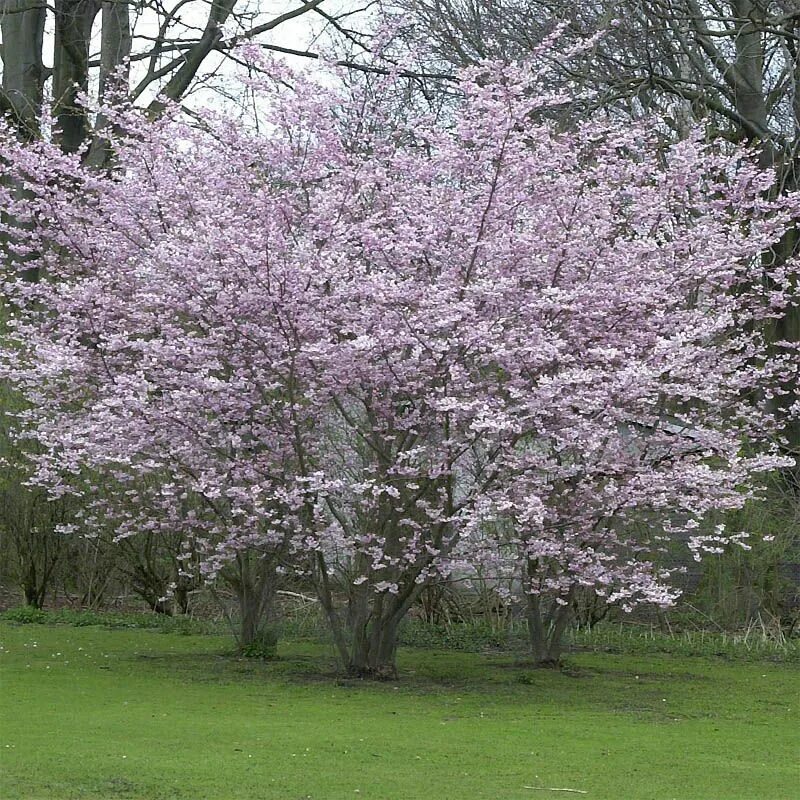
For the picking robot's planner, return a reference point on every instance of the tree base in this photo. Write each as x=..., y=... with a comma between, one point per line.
x=383, y=672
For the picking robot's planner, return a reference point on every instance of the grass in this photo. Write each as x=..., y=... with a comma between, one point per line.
x=88, y=712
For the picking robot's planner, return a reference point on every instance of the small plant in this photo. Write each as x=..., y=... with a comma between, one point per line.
x=752, y=644
x=25, y=615
x=79, y=618
x=473, y=637
x=264, y=646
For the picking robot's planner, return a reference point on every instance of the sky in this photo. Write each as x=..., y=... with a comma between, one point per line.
x=309, y=31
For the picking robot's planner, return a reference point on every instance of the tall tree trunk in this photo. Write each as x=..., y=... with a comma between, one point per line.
x=749, y=95
x=750, y=99
x=115, y=49
x=73, y=31
x=30, y=588
x=22, y=25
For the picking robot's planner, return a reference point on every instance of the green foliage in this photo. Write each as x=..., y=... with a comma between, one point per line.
x=752, y=644
x=742, y=585
x=31, y=552
x=25, y=615
x=80, y=618
x=264, y=646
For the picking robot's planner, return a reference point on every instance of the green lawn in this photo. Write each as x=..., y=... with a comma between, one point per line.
x=95, y=713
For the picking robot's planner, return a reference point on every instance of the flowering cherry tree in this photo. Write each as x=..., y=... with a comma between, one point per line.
x=395, y=349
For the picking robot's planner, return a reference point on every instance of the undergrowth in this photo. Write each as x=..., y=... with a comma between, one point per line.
x=28, y=615
x=752, y=644
x=749, y=644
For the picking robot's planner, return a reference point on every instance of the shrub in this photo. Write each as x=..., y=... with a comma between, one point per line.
x=25, y=615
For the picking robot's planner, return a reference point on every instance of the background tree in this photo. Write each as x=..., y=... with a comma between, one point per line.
x=167, y=51
x=730, y=66
x=146, y=53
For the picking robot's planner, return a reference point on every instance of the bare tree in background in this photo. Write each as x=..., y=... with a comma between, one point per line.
x=732, y=66
x=733, y=63
x=166, y=48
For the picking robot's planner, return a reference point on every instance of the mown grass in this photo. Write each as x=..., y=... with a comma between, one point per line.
x=89, y=712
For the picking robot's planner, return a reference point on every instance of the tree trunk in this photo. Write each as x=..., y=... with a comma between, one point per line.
x=161, y=607
x=546, y=629
x=115, y=48
x=787, y=329
x=181, y=595
x=254, y=579
x=73, y=31
x=374, y=654
x=34, y=597
x=749, y=95
x=22, y=25
x=371, y=649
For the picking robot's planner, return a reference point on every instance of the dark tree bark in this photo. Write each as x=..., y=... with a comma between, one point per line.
x=169, y=62
x=73, y=28
x=547, y=623
x=367, y=643
x=22, y=25
x=254, y=580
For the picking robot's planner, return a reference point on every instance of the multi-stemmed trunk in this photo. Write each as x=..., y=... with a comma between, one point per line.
x=33, y=591
x=546, y=630
x=373, y=652
x=547, y=621
x=254, y=580
x=367, y=642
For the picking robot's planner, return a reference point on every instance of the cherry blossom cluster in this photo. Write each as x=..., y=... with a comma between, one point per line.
x=400, y=345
